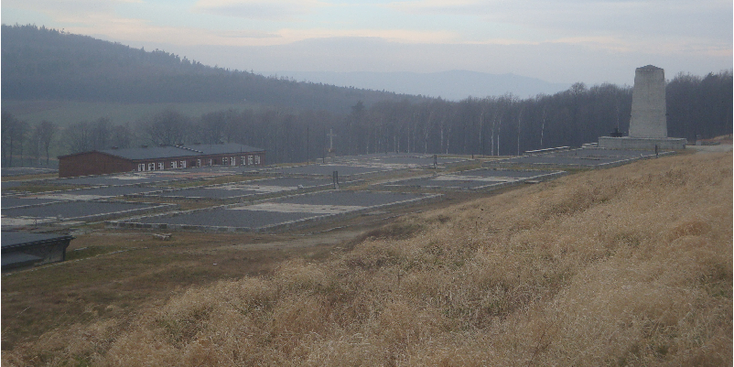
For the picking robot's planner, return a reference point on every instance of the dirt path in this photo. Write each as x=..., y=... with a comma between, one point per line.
x=711, y=148
x=310, y=240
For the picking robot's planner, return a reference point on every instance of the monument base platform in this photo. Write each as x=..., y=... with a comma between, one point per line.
x=630, y=143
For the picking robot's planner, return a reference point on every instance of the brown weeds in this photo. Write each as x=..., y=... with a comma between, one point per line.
x=627, y=266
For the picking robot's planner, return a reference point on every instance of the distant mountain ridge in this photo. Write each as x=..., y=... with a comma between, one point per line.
x=452, y=85
x=45, y=64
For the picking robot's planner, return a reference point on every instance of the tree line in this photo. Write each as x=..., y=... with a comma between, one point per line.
x=19, y=138
x=698, y=107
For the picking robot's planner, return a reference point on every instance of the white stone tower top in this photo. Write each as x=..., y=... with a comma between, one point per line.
x=648, y=104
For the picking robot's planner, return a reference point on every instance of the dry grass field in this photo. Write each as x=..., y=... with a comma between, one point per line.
x=630, y=266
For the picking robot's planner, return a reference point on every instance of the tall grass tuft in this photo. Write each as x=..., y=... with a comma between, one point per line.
x=627, y=266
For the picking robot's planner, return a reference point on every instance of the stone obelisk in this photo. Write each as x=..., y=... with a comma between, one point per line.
x=648, y=122
x=648, y=118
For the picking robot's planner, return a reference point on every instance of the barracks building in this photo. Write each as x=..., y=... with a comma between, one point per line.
x=142, y=159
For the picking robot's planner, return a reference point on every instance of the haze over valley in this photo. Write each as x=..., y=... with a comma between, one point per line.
x=452, y=85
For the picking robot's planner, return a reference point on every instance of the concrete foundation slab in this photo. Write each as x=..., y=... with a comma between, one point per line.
x=114, y=180
x=248, y=188
x=478, y=179
x=393, y=161
x=627, y=142
x=148, y=177
x=12, y=184
x=74, y=211
x=582, y=158
x=98, y=193
x=299, y=208
x=19, y=202
x=274, y=214
x=74, y=195
x=328, y=169
x=598, y=153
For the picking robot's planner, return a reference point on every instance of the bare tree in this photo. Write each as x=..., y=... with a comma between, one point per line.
x=9, y=125
x=21, y=134
x=78, y=137
x=212, y=127
x=121, y=136
x=35, y=145
x=168, y=128
x=100, y=133
x=45, y=132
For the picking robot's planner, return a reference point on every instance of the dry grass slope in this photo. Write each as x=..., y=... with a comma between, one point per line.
x=627, y=266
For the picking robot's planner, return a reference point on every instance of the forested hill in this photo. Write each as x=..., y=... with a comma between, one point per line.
x=42, y=63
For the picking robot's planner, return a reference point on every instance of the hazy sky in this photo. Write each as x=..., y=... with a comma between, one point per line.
x=590, y=41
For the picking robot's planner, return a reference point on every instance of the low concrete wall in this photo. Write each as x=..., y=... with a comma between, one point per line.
x=630, y=143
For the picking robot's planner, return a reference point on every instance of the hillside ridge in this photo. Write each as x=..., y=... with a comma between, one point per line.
x=453, y=85
x=626, y=266
x=46, y=64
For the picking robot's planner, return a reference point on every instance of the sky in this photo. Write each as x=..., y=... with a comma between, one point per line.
x=559, y=41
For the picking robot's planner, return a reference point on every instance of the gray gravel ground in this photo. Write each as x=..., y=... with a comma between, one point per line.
x=327, y=170
x=21, y=171
x=247, y=188
x=579, y=157
x=473, y=179
x=117, y=180
x=12, y=202
x=561, y=161
x=282, y=210
x=73, y=209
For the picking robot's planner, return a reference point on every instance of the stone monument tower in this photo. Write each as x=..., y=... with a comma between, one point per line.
x=648, y=123
x=648, y=104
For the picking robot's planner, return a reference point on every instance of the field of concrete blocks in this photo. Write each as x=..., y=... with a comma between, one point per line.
x=274, y=198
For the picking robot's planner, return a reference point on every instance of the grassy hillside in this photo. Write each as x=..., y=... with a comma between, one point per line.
x=626, y=266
